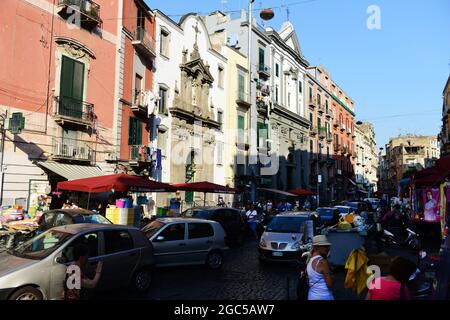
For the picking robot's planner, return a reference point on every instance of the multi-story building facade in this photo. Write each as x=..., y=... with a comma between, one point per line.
x=65, y=91
x=257, y=50
x=287, y=120
x=366, y=162
x=237, y=120
x=192, y=104
x=406, y=155
x=331, y=144
x=444, y=135
x=136, y=57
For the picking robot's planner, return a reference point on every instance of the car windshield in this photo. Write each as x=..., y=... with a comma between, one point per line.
x=153, y=227
x=197, y=213
x=353, y=205
x=342, y=209
x=325, y=212
x=286, y=224
x=95, y=218
x=42, y=245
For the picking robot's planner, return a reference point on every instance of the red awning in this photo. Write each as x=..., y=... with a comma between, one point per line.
x=435, y=175
x=116, y=182
x=205, y=187
x=276, y=191
x=301, y=192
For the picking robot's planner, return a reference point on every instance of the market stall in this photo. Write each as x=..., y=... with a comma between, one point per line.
x=205, y=187
x=124, y=211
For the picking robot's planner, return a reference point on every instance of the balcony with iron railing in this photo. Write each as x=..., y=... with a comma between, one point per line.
x=262, y=88
x=343, y=127
x=144, y=43
x=329, y=138
x=140, y=102
x=243, y=99
x=69, y=110
x=88, y=9
x=139, y=155
x=313, y=131
x=312, y=103
x=263, y=70
x=336, y=124
x=262, y=107
x=320, y=108
x=72, y=149
x=322, y=132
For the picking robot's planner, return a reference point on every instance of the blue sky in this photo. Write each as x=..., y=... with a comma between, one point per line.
x=395, y=75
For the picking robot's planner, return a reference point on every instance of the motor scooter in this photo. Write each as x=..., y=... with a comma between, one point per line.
x=421, y=281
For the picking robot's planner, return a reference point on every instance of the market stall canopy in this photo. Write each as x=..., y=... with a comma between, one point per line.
x=284, y=193
x=435, y=175
x=115, y=182
x=71, y=171
x=301, y=192
x=205, y=187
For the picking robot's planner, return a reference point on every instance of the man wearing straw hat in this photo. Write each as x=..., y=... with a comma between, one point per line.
x=318, y=269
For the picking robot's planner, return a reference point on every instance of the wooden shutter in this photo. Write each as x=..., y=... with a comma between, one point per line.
x=66, y=81
x=131, y=130
x=138, y=126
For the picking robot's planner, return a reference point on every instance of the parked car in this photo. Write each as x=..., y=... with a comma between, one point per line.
x=186, y=241
x=326, y=214
x=232, y=220
x=344, y=210
x=61, y=217
x=375, y=202
x=359, y=206
x=286, y=237
x=36, y=269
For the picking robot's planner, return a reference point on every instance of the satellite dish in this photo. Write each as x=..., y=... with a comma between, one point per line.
x=266, y=14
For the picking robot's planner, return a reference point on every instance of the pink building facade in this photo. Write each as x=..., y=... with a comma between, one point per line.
x=71, y=71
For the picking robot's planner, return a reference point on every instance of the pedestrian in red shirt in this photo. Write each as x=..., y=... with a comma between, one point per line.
x=394, y=286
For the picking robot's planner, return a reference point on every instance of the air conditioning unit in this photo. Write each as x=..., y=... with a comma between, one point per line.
x=110, y=156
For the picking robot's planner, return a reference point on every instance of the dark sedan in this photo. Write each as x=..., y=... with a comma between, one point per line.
x=231, y=220
x=61, y=217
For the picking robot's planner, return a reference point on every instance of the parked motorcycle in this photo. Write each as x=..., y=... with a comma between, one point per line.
x=421, y=282
x=397, y=236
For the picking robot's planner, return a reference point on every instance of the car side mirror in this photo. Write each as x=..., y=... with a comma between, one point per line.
x=61, y=260
x=160, y=238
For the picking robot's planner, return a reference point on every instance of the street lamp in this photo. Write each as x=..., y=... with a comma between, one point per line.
x=265, y=14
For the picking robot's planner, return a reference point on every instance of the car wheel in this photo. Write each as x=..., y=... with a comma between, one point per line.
x=415, y=244
x=26, y=293
x=142, y=280
x=214, y=260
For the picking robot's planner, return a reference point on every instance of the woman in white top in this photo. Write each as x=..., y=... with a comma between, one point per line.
x=319, y=275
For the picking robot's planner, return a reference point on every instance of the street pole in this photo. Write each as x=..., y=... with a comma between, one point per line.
x=318, y=183
x=249, y=58
x=3, y=117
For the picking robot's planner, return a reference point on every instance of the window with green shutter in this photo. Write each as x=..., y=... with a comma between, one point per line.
x=277, y=70
x=262, y=134
x=318, y=99
x=241, y=87
x=241, y=128
x=261, y=59
x=300, y=84
x=319, y=124
x=326, y=106
x=310, y=94
x=71, y=88
x=134, y=132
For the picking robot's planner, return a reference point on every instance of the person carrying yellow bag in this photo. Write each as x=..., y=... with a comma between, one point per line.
x=357, y=275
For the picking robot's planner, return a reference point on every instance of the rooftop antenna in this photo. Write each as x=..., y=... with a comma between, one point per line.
x=224, y=5
x=287, y=13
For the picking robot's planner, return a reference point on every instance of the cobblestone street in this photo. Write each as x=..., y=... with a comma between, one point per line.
x=242, y=277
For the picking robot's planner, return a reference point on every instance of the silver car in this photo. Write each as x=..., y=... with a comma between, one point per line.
x=36, y=269
x=286, y=237
x=187, y=241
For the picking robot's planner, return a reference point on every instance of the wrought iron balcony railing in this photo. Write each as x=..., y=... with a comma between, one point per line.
x=72, y=149
x=89, y=10
x=74, y=111
x=144, y=43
